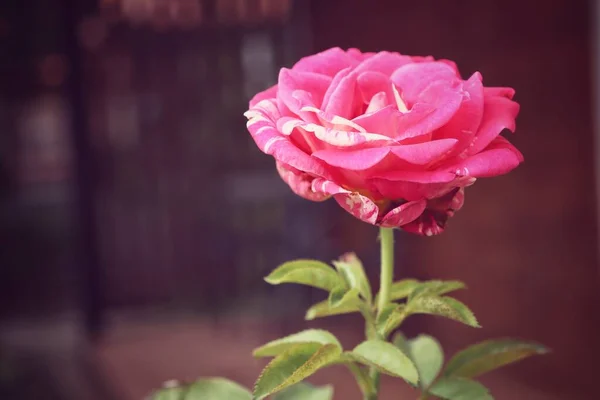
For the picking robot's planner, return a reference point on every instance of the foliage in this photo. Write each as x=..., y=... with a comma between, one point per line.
x=418, y=361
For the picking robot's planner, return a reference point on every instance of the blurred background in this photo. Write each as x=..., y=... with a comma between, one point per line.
x=137, y=218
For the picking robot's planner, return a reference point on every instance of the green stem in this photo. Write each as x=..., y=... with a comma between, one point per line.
x=362, y=378
x=386, y=238
x=387, y=267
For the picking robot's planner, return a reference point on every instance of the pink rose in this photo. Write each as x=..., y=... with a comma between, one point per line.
x=393, y=139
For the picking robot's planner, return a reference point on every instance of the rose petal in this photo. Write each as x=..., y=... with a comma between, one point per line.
x=403, y=214
x=270, y=93
x=299, y=182
x=270, y=141
x=439, y=105
x=437, y=176
x=414, y=185
x=286, y=125
x=354, y=160
x=399, y=101
x=303, y=140
x=370, y=83
x=433, y=220
x=465, y=122
x=340, y=138
x=377, y=102
x=499, y=91
x=452, y=65
x=498, y=158
x=264, y=110
x=498, y=113
x=414, y=78
x=294, y=85
x=328, y=62
x=334, y=121
x=356, y=204
x=383, y=62
x=340, y=97
x=358, y=55
x=408, y=190
x=423, y=153
x=420, y=59
x=384, y=121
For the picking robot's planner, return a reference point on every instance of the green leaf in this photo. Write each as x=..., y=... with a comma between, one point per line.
x=386, y=358
x=204, y=389
x=305, y=391
x=428, y=356
x=403, y=288
x=460, y=389
x=315, y=336
x=306, y=272
x=384, y=314
x=322, y=309
x=294, y=365
x=351, y=268
x=171, y=391
x=217, y=389
x=341, y=296
x=394, y=318
x=436, y=287
x=400, y=341
x=489, y=355
x=361, y=374
x=443, y=306
x=426, y=304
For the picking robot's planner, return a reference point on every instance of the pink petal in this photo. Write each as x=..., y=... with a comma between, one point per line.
x=339, y=98
x=384, y=121
x=378, y=101
x=499, y=91
x=423, y=153
x=439, y=105
x=354, y=160
x=286, y=125
x=269, y=140
x=342, y=138
x=329, y=120
x=437, y=176
x=303, y=140
x=358, y=55
x=420, y=59
x=410, y=190
x=266, y=110
x=414, y=78
x=465, y=122
x=452, y=65
x=371, y=83
x=328, y=62
x=499, y=113
x=403, y=214
x=299, y=182
x=436, y=214
x=270, y=93
x=498, y=158
x=356, y=204
x=291, y=82
x=383, y=62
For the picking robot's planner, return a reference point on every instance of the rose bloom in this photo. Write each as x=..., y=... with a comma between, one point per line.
x=394, y=139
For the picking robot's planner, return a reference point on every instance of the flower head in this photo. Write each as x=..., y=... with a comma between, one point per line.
x=394, y=139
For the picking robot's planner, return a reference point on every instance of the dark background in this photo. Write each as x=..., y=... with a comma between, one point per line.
x=137, y=218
